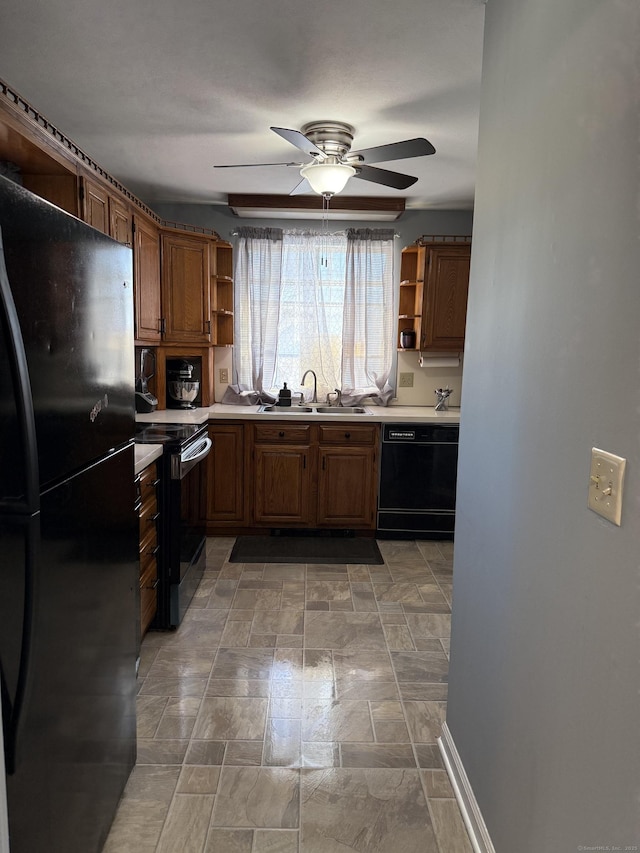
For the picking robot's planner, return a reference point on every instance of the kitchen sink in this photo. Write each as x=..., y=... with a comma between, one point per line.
x=341, y=410
x=284, y=410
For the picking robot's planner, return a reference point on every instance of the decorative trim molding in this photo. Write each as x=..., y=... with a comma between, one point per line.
x=471, y=814
x=24, y=108
x=427, y=239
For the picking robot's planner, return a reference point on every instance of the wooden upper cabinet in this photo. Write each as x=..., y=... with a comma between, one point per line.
x=120, y=221
x=95, y=205
x=146, y=254
x=446, y=288
x=106, y=212
x=186, y=300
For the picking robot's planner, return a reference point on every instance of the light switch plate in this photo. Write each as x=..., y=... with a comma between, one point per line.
x=223, y=375
x=606, y=481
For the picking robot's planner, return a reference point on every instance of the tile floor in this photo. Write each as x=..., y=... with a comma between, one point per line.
x=296, y=710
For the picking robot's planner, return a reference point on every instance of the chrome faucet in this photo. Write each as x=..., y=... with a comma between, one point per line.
x=315, y=384
x=338, y=394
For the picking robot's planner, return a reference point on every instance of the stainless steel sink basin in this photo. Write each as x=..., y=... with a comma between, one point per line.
x=341, y=410
x=284, y=410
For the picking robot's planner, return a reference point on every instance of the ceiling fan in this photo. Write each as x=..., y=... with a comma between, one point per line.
x=332, y=163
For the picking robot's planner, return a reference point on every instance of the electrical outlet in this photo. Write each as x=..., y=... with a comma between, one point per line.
x=406, y=380
x=223, y=375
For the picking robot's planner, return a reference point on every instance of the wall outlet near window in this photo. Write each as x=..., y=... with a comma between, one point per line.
x=406, y=380
x=223, y=375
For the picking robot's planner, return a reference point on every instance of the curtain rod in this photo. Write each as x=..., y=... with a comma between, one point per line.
x=313, y=232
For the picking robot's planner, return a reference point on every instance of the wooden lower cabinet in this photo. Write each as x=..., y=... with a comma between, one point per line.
x=149, y=515
x=346, y=478
x=281, y=474
x=347, y=475
x=223, y=497
x=282, y=484
x=270, y=474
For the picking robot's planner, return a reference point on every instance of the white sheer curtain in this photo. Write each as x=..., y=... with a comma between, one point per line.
x=318, y=301
x=368, y=334
x=257, y=284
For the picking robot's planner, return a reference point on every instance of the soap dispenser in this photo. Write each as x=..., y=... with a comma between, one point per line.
x=284, y=397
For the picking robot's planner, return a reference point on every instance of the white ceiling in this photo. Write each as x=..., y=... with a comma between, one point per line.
x=157, y=91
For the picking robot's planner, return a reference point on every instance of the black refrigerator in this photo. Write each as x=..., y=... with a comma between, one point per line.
x=68, y=526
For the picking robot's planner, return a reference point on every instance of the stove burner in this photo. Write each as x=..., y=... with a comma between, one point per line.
x=166, y=433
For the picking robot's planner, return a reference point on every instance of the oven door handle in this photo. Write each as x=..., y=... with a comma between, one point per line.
x=206, y=447
x=181, y=465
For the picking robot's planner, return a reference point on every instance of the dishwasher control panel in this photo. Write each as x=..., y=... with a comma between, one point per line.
x=421, y=433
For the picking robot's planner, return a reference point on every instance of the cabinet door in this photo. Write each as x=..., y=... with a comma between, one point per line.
x=282, y=485
x=185, y=289
x=346, y=481
x=224, y=481
x=146, y=254
x=445, y=298
x=95, y=205
x=120, y=221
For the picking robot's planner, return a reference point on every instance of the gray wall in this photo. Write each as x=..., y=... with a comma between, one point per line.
x=411, y=225
x=543, y=702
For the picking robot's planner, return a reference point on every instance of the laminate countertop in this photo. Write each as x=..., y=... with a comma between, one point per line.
x=145, y=455
x=374, y=414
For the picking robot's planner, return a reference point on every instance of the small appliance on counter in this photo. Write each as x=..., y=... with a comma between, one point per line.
x=182, y=387
x=145, y=401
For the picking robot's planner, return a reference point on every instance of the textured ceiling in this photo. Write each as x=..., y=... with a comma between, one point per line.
x=157, y=91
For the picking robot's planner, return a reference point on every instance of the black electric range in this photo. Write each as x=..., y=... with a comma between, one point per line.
x=159, y=433
x=181, y=528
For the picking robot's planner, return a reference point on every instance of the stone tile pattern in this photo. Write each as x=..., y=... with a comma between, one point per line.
x=296, y=710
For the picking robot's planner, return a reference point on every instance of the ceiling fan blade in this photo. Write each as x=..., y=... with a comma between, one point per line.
x=396, y=151
x=301, y=188
x=247, y=165
x=383, y=176
x=300, y=141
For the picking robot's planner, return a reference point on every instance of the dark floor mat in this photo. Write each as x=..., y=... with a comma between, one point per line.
x=305, y=549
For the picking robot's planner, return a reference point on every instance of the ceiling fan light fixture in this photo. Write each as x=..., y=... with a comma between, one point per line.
x=327, y=179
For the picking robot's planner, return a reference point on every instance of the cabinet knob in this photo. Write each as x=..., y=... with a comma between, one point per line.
x=347, y=435
x=281, y=434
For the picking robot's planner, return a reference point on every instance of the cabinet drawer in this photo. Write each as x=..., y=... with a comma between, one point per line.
x=148, y=544
x=148, y=481
x=148, y=573
x=277, y=433
x=149, y=515
x=348, y=434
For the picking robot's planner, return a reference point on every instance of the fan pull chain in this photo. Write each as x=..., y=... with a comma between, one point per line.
x=324, y=257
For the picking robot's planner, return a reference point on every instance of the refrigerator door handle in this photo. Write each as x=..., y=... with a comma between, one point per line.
x=24, y=401
x=13, y=709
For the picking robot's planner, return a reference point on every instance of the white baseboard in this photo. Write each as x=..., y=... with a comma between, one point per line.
x=471, y=814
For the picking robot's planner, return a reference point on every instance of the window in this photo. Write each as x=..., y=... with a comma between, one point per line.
x=307, y=300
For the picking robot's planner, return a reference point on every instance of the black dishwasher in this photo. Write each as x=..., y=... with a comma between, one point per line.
x=418, y=468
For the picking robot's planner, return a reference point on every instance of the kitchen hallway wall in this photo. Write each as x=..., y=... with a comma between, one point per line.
x=411, y=225
x=544, y=684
